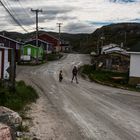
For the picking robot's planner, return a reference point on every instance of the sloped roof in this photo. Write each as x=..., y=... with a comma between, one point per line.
x=38, y=40
x=46, y=34
x=5, y=48
x=10, y=39
x=29, y=45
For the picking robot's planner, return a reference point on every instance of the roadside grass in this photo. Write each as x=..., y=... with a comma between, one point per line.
x=18, y=99
x=54, y=56
x=105, y=77
x=32, y=63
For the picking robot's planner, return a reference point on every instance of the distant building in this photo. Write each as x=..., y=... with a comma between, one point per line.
x=134, y=74
x=10, y=43
x=111, y=48
x=30, y=52
x=65, y=46
x=48, y=48
x=52, y=40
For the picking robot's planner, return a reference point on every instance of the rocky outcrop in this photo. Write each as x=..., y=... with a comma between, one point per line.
x=9, y=117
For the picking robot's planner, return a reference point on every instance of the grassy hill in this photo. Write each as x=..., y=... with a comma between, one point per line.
x=128, y=33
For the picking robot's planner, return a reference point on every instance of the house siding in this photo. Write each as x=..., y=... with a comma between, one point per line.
x=9, y=43
x=52, y=40
x=44, y=44
x=134, y=65
x=34, y=51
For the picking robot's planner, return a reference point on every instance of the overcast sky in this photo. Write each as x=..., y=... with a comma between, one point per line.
x=77, y=16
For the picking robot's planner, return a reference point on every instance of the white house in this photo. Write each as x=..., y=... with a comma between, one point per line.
x=134, y=74
x=112, y=48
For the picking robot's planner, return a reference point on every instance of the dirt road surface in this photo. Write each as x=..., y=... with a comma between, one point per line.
x=84, y=111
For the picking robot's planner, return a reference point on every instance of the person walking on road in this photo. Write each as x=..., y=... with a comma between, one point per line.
x=74, y=74
x=60, y=76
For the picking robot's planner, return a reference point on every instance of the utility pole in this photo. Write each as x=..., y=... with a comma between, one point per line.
x=59, y=25
x=13, y=68
x=36, y=12
x=125, y=38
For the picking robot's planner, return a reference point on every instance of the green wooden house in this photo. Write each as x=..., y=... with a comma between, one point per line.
x=31, y=52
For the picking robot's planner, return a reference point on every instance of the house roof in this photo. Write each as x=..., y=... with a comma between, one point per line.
x=5, y=48
x=113, y=48
x=135, y=48
x=10, y=39
x=38, y=40
x=49, y=36
x=29, y=45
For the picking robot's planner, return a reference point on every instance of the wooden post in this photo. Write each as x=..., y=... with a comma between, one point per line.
x=13, y=68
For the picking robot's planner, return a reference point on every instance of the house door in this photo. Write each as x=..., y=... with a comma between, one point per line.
x=6, y=65
x=29, y=51
x=0, y=63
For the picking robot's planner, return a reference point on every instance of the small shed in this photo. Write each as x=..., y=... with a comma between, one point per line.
x=41, y=43
x=30, y=52
x=134, y=72
x=7, y=63
x=65, y=46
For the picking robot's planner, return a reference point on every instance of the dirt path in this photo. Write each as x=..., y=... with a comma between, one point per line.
x=84, y=111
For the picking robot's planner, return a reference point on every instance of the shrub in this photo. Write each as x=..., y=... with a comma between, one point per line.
x=16, y=100
x=54, y=56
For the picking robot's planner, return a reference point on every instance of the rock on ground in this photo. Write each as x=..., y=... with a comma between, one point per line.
x=5, y=132
x=9, y=117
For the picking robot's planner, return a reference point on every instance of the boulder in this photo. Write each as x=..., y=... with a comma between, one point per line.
x=5, y=132
x=9, y=117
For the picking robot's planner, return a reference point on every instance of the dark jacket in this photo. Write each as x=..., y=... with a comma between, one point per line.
x=74, y=71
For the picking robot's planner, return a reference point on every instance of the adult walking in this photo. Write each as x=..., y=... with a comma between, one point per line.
x=74, y=74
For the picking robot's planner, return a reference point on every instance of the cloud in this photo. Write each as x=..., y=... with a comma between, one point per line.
x=78, y=27
x=123, y=1
x=77, y=16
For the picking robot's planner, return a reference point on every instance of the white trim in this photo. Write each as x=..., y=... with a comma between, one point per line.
x=38, y=40
x=10, y=39
x=5, y=48
x=133, y=52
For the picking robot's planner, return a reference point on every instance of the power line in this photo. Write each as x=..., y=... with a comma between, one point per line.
x=25, y=11
x=15, y=13
x=9, y=12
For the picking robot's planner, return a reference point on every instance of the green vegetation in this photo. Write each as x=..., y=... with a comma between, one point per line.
x=54, y=56
x=105, y=77
x=16, y=100
x=23, y=128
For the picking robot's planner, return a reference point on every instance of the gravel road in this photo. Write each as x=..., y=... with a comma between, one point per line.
x=84, y=111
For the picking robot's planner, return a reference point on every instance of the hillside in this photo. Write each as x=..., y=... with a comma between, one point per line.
x=74, y=39
x=128, y=33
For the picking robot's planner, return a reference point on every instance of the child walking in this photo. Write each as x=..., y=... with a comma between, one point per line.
x=60, y=76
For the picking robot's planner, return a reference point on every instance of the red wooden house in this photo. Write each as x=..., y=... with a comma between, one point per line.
x=51, y=39
x=10, y=43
